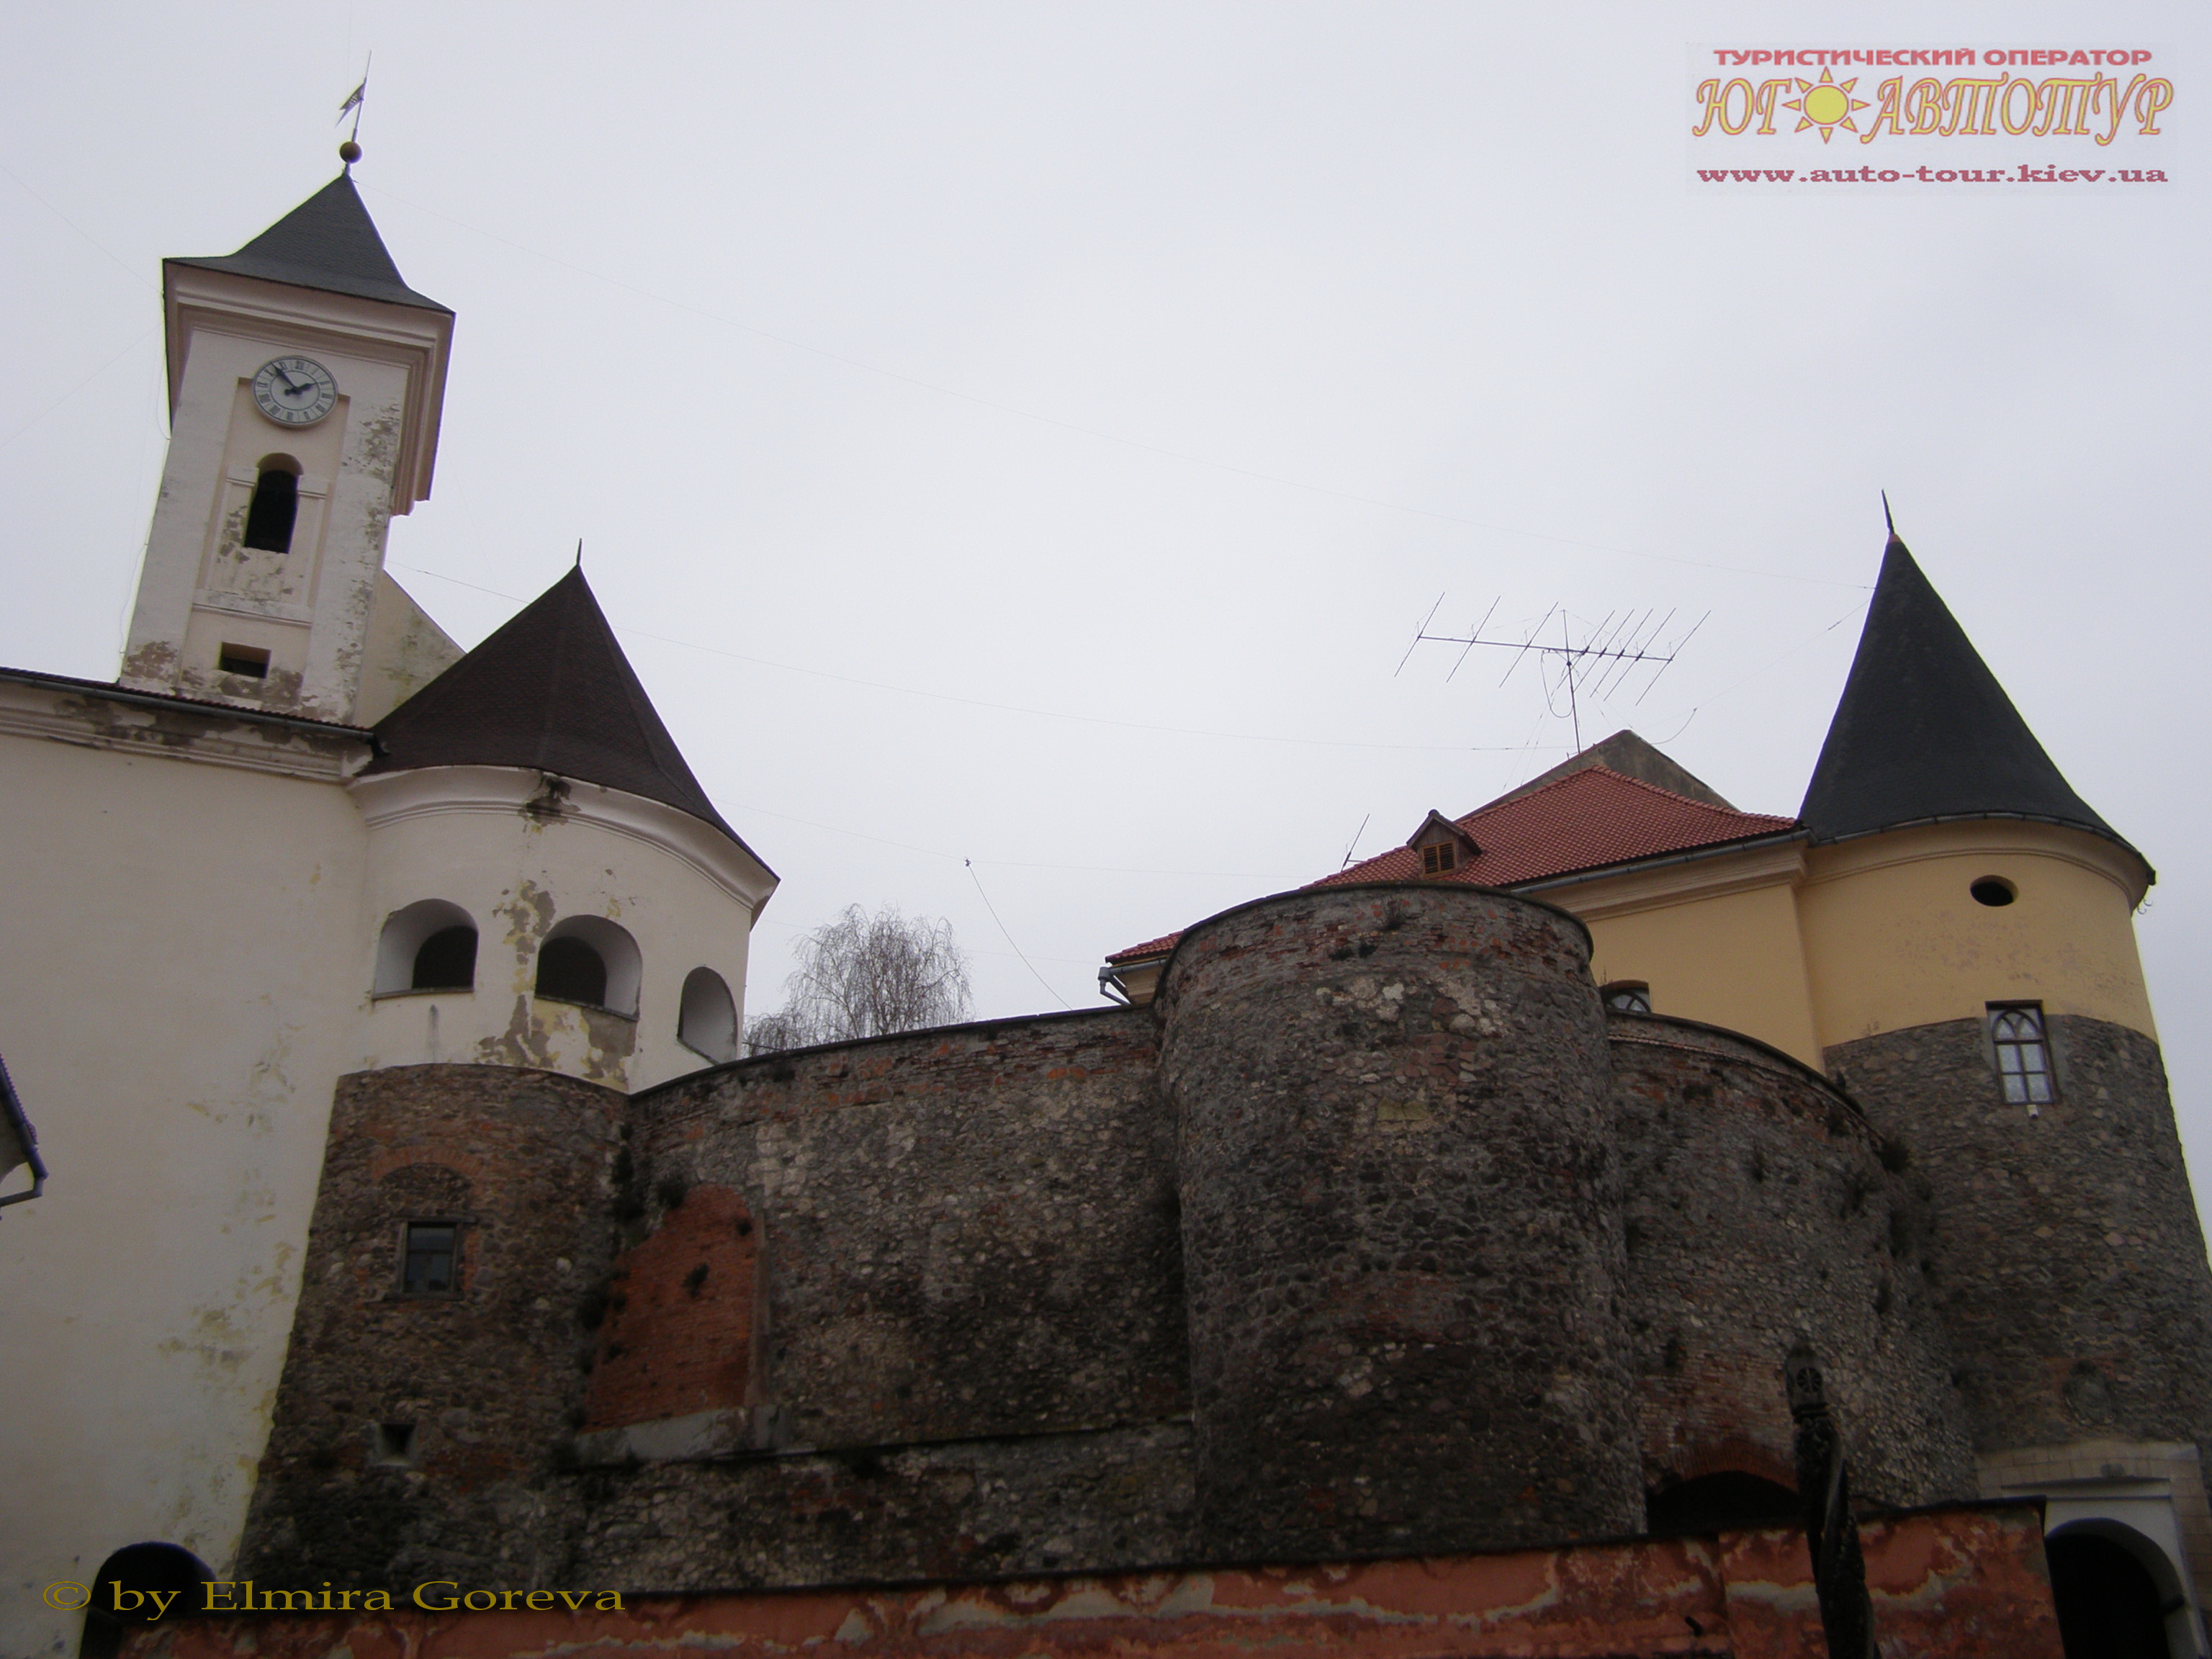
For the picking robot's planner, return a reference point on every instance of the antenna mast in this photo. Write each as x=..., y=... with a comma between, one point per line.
x=1601, y=663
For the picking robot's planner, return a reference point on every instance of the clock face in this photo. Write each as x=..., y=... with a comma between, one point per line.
x=294, y=390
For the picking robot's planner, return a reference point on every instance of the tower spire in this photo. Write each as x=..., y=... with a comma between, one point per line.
x=1923, y=730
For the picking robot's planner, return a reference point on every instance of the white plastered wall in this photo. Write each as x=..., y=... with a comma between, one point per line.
x=176, y=1002
x=368, y=459
x=187, y=958
x=521, y=860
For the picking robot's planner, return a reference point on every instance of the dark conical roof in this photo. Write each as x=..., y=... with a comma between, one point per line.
x=1924, y=731
x=551, y=692
x=327, y=242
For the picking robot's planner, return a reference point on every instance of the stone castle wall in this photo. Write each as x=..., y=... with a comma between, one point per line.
x=2063, y=1246
x=1401, y=1227
x=971, y=1348
x=1375, y=1236
x=487, y=1383
x=1761, y=1217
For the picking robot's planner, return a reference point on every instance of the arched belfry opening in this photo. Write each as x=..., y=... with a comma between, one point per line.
x=592, y=961
x=135, y=1586
x=707, y=1023
x=275, y=506
x=428, y=946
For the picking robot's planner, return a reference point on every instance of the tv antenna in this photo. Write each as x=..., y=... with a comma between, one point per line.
x=1601, y=662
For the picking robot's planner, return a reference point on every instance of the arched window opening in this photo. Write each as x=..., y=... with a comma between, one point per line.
x=275, y=505
x=2023, y=1054
x=138, y=1571
x=1630, y=996
x=708, y=1023
x=588, y=959
x=2110, y=1605
x=1727, y=1501
x=446, y=961
x=428, y=946
x=570, y=970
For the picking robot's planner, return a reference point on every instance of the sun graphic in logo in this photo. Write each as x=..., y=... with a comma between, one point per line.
x=1826, y=104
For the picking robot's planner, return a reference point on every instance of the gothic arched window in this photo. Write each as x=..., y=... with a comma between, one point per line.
x=2023, y=1054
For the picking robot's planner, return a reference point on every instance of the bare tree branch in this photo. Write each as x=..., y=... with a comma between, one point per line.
x=863, y=975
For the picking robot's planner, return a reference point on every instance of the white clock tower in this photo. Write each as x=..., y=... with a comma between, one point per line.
x=304, y=384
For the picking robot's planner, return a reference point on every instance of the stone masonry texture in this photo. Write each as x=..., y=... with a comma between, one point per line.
x=1761, y=1220
x=485, y=1383
x=1375, y=1236
x=1401, y=1226
x=2064, y=1246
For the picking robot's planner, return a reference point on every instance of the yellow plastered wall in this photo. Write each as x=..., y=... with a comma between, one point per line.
x=1731, y=957
x=1735, y=960
x=1894, y=939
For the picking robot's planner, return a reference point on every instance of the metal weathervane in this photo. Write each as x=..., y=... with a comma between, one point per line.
x=1600, y=663
x=357, y=99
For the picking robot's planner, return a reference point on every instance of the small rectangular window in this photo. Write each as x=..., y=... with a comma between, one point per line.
x=431, y=1258
x=2023, y=1054
x=1439, y=858
x=395, y=1442
x=250, y=661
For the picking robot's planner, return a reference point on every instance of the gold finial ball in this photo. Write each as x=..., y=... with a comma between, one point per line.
x=348, y=152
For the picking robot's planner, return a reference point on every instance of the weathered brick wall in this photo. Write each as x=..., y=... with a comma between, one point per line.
x=676, y=1337
x=2065, y=1249
x=1760, y=1216
x=1955, y=1584
x=490, y=1377
x=1401, y=1233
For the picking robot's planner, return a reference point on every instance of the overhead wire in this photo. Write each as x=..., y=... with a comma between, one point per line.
x=1009, y=938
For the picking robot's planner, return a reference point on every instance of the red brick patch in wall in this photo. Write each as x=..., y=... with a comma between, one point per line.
x=679, y=1334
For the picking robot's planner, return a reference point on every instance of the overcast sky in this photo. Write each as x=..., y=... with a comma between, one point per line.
x=1031, y=433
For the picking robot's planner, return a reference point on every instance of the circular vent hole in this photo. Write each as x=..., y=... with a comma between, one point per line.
x=1994, y=890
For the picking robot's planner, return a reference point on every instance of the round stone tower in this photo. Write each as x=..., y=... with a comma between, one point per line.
x=1969, y=947
x=1761, y=1218
x=1402, y=1239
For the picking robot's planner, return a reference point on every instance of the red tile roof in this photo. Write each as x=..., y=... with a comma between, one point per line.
x=1151, y=947
x=1586, y=821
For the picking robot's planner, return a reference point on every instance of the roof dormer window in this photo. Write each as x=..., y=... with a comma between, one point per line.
x=1442, y=845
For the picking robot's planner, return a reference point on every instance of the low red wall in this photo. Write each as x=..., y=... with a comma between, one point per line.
x=1969, y=1580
